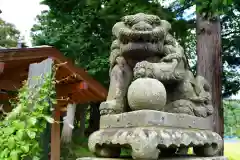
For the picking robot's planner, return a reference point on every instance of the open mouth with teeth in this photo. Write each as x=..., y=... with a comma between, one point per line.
x=140, y=44
x=139, y=38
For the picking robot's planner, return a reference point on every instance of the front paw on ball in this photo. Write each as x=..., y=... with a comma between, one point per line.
x=143, y=69
x=111, y=107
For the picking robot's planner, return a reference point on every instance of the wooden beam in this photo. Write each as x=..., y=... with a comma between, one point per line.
x=15, y=63
x=82, y=75
x=17, y=73
x=90, y=93
x=55, y=135
x=12, y=79
x=81, y=97
x=65, y=89
x=7, y=55
x=7, y=108
x=10, y=85
x=63, y=73
x=2, y=67
x=6, y=97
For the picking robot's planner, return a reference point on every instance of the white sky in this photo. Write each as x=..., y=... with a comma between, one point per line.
x=22, y=14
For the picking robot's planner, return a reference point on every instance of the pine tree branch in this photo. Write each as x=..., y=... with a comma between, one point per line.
x=229, y=33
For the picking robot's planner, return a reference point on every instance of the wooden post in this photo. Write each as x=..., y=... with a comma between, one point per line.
x=2, y=67
x=55, y=135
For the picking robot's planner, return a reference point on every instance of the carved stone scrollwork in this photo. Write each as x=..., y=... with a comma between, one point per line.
x=150, y=142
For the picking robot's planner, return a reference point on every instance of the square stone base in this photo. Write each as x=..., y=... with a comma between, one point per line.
x=148, y=118
x=151, y=133
x=170, y=158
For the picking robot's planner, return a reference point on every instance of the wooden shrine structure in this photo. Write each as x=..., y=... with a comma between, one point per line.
x=74, y=84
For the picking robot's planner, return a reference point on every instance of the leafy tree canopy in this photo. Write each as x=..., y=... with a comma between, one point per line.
x=8, y=34
x=229, y=12
x=82, y=31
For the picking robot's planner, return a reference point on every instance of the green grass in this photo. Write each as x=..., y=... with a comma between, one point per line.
x=232, y=150
x=77, y=149
x=80, y=149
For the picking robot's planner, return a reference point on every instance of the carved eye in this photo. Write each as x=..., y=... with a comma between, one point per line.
x=154, y=20
x=158, y=21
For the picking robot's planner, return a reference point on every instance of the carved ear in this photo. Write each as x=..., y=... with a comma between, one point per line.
x=125, y=18
x=115, y=44
x=166, y=25
x=117, y=28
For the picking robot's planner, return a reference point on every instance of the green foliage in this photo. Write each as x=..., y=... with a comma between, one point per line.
x=232, y=118
x=82, y=30
x=230, y=39
x=8, y=34
x=231, y=54
x=77, y=149
x=209, y=7
x=20, y=130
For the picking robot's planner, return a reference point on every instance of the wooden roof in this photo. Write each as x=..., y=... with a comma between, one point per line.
x=16, y=63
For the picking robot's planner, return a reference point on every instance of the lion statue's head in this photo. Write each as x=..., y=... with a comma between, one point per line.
x=141, y=35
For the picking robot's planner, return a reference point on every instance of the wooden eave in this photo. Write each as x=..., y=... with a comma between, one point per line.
x=16, y=63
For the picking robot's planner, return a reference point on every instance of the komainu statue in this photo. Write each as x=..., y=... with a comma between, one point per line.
x=144, y=48
x=155, y=106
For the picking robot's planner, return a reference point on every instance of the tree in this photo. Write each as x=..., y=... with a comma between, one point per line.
x=231, y=48
x=209, y=51
x=8, y=34
x=209, y=63
x=230, y=25
x=231, y=118
x=94, y=119
x=82, y=29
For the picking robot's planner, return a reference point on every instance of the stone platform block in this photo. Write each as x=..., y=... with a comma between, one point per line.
x=147, y=118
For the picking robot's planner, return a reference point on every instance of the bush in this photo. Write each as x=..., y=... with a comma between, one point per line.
x=21, y=129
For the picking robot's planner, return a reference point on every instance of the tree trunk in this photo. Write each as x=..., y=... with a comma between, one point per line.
x=82, y=115
x=209, y=64
x=94, y=119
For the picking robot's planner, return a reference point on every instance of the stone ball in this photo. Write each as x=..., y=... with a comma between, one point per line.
x=146, y=93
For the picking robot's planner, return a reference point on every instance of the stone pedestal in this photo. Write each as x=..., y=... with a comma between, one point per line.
x=172, y=158
x=150, y=134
